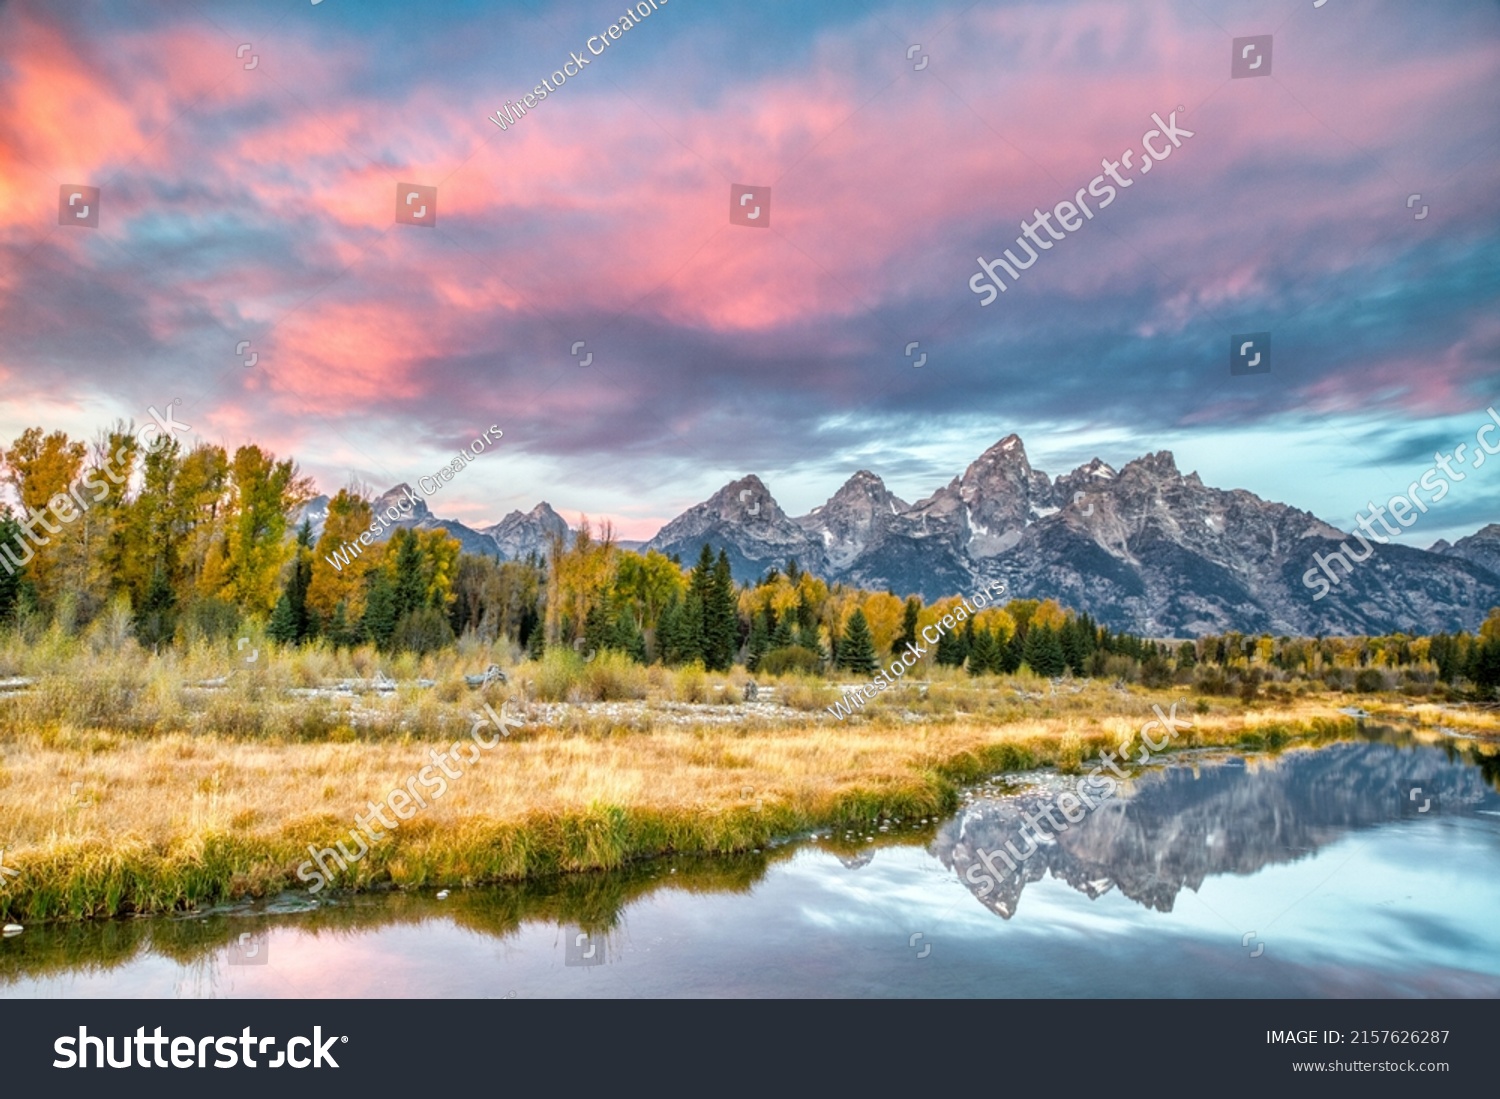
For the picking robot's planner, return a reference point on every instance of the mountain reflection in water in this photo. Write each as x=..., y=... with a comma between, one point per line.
x=1173, y=828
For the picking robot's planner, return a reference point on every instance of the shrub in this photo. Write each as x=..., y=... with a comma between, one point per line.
x=791, y=658
x=612, y=676
x=691, y=683
x=422, y=631
x=802, y=695
x=1369, y=680
x=558, y=672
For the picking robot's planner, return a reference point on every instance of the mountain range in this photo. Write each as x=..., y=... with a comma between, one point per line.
x=1144, y=548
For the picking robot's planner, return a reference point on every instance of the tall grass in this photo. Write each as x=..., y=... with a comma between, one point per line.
x=128, y=784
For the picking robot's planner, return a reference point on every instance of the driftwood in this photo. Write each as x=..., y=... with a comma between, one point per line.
x=492, y=674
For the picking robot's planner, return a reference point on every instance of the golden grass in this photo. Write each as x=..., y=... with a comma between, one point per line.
x=101, y=822
x=127, y=786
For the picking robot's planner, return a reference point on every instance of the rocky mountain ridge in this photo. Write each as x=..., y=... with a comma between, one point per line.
x=1145, y=548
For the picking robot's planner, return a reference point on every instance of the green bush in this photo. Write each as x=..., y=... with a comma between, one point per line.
x=792, y=658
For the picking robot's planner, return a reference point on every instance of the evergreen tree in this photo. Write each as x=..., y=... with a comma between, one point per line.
x=807, y=616
x=668, y=631
x=536, y=644
x=156, y=620
x=282, y=628
x=1443, y=653
x=299, y=581
x=1485, y=668
x=598, y=627
x=1075, y=645
x=338, y=630
x=950, y=651
x=381, y=614
x=1187, y=655
x=759, y=642
x=691, y=631
x=807, y=637
x=721, y=623
x=1043, y=651
x=908, y=635
x=10, y=577
x=410, y=585
x=856, y=651
x=984, y=654
x=782, y=636
x=625, y=636
x=1012, y=654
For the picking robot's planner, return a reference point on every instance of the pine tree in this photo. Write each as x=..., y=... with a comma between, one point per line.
x=1012, y=653
x=669, y=643
x=1043, y=651
x=381, y=612
x=1485, y=666
x=950, y=649
x=691, y=631
x=807, y=637
x=984, y=654
x=299, y=581
x=597, y=627
x=782, y=636
x=1075, y=646
x=536, y=643
x=857, y=649
x=721, y=624
x=10, y=578
x=338, y=632
x=282, y=628
x=624, y=635
x=759, y=642
x=807, y=616
x=156, y=622
x=410, y=585
x=908, y=635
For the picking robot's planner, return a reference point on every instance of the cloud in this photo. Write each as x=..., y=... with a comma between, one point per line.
x=260, y=205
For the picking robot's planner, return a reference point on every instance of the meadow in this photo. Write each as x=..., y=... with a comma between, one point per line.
x=139, y=783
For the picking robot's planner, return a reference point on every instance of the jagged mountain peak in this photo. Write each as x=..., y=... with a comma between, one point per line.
x=401, y=496
x=1158, y=466
x=744, y=499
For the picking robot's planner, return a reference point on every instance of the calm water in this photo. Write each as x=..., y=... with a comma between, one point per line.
x=1311, y=873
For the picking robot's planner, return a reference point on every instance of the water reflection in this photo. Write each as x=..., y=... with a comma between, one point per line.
x=1173, y=828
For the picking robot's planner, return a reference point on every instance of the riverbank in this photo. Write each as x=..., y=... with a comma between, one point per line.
x=102, y=823
x=133, y=783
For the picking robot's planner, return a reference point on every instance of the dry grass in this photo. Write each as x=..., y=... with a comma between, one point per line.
x=127, y=788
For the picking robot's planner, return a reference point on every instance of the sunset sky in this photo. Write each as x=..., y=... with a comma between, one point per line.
x=259, y=204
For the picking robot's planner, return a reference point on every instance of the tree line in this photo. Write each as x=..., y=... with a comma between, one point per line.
x=194, y=541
